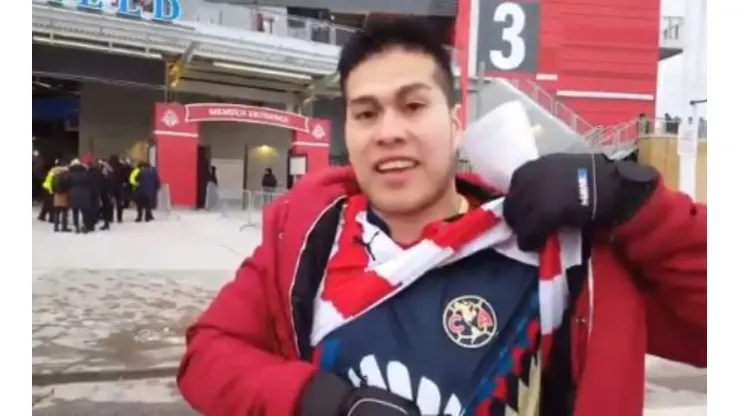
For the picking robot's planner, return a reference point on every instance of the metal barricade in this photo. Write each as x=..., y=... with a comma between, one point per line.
x=242, y=205
x=164, y=202
x=213, y=200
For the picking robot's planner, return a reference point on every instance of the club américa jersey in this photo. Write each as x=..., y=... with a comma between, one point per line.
x=463, y=339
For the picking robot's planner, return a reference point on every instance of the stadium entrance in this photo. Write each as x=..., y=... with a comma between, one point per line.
x=177, y=137
x=55, y=118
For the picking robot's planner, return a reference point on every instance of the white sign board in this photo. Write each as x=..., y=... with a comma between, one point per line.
x=297, y=165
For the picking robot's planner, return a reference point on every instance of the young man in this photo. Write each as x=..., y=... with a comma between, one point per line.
x=314, y=323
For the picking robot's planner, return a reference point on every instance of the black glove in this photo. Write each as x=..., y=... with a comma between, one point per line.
x=328, y=395
x=574, y=190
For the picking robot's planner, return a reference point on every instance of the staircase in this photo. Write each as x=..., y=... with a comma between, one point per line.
x=563, y=130
x=618, y=141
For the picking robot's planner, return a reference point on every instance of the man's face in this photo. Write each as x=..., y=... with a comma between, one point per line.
x=402, y=136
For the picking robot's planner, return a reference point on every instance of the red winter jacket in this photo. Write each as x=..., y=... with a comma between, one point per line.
x=248, y=353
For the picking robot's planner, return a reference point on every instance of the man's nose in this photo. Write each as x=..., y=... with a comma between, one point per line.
x=391, y=128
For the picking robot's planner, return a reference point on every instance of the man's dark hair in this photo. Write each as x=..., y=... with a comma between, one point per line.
x=410, y=33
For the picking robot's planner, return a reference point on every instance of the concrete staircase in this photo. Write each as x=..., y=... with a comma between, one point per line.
x=562, y=129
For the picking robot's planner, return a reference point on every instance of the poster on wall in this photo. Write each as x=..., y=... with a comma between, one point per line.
x=297, y=165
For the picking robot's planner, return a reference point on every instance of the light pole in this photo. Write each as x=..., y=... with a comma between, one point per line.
x=693, y=87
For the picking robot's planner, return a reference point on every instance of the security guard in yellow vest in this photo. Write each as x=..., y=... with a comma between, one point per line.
x=47, y=203
x=145, y=183
x=133, y=178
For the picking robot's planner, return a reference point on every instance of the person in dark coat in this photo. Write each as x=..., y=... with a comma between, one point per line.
x=79, y=195
x=269, y=183
x=106, y=194
x=99, y=197
x=95, y=180
x=120, y=187
x=145, y=181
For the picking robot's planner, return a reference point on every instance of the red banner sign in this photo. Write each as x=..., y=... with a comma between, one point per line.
x=245, y=114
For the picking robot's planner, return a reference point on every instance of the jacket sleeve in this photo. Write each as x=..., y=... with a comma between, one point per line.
x=232, y=364
x=666, y=245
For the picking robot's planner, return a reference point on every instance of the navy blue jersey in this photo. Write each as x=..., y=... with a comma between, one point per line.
x=463, y=338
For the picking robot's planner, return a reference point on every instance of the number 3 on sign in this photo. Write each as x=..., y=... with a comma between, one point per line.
x=512, y=16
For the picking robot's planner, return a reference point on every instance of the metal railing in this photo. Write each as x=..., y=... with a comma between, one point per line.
x=219, y=16
x=268, y=20
x=655, y=126
x=624, y=138
x=276, y=21
x=164, y=202
x=243, y=205
x=552, y=105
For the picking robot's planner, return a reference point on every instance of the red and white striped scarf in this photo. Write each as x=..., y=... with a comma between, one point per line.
x=357, y=281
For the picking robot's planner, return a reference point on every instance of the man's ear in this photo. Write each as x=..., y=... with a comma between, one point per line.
x=457, y=126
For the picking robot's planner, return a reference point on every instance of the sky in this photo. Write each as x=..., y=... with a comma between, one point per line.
x=670, y=92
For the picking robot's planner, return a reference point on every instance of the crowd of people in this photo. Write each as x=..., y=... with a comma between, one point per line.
x=672, y=124
x=668, y=125
x=97, y=191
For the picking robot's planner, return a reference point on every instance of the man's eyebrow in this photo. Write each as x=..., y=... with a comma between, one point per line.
x=363, y=99
x=416, y=86
x=401, y=92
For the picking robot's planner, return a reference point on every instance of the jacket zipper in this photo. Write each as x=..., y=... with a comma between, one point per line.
x=583, y=325
x=298, y=262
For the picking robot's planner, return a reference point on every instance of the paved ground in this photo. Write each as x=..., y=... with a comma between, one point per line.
x=115, y=304
x=674, y=389
x=150, y=397
x=120, y=300
x=158, y=396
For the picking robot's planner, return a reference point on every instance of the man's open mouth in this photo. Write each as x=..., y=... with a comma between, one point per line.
x=395, y=165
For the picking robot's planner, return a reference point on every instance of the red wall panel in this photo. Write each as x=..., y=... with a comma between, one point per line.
x=550, y=39
x=602, y=45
